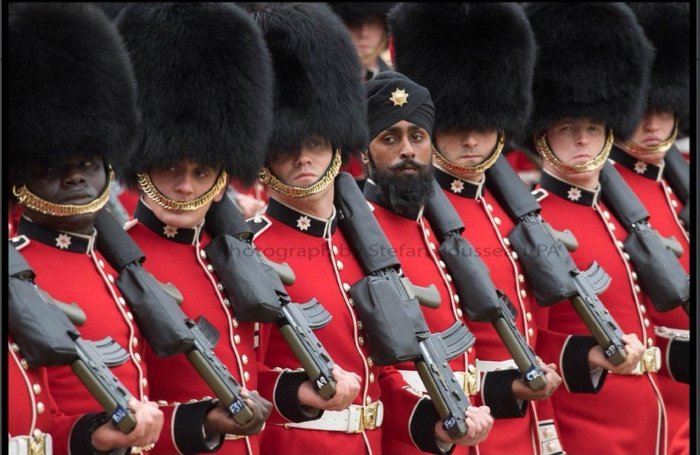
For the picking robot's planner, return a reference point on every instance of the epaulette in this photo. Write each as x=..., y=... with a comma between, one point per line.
x=258, y=225
x=19, y=241
x=129, y=224
x=540, y=193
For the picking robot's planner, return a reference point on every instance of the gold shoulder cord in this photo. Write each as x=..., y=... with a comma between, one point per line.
x=34, y=202
x=276, y=184
x=150, y=190
x=543, y=148
x=661, y=147
x=479, y=168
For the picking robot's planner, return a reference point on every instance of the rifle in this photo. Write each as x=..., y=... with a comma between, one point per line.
x=161, y=321
x=661, y=276
x=479, y=298
x=255, y=286
x=677, y=175
x=388, y=307
x=548, y=266
x=46, y=337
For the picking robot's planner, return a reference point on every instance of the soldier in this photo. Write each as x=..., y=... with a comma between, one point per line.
x=640, y=161
x=589, y=82
x=73, y=112
x=189, y=144
x=400, y=181
x=319, y=117
x=479, y=78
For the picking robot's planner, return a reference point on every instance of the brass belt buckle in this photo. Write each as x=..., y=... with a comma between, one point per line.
x=369, y=416
x=471, y=380
x=37, y=443
x=651, y=360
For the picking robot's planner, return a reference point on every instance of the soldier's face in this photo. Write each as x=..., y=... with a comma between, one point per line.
x=655, y=127
x=576, y=141
x=403, y=149
x=367, y=36
x=307, y=166
x=78, y=181
x=466, y=148
x=183, y=181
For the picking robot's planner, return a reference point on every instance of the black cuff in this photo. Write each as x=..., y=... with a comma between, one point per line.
x=679, y=360
x=422, y=427
x=287, y=401
x=498, y=394
x=80, y=438
x=188, y=428
x=575, y=369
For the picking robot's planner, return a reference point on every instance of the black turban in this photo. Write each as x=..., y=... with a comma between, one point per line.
x=392, y=97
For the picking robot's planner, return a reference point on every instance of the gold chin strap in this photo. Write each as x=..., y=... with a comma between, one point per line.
x=34, y=202
x=150, y=190
x=479, y=168
x=542, y=147
x=661, y=147
x=276, y=184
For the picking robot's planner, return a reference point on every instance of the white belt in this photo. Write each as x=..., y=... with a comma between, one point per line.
x=39, y=444
x=487, y=365
x=469, y=380
x=354, y=419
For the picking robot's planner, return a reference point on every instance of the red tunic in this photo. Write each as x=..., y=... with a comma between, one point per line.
x=487, y=225
x=325, y=269
x=647, y=181
x=599, y=423
x=71, y=270
x=411, y=239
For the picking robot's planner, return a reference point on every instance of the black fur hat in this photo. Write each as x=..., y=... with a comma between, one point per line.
x=71, y=88
x=356, y=12
x=476, y=59
x=205, y=86
x=318, y=80
x=593, y=61
x=667, y=27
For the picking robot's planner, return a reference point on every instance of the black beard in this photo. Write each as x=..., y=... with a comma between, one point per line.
x=403, y=194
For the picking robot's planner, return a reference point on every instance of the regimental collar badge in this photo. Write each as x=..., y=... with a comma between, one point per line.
x=399, y=97
x=302, y=222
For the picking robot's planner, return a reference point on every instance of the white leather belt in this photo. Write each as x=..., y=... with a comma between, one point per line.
x=38, y=444
x=487, y=366
x=468, y=380
x=354, y=419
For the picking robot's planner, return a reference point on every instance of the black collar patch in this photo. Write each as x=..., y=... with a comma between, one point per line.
x=650, y=171
x=569, y=191
x=179, y=235
x=300, y=221
x=458, y=186
x=68, y=241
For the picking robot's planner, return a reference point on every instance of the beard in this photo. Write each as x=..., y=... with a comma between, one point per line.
x=403, y=194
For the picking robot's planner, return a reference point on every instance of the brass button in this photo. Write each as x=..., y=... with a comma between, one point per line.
x=528, y=316
x=371, y=377
x=515, y=255
x=244, y=359
x=432, y=246
x=227, y=302
x=368, y=400
x=346, y=287
x=351, y=301
x=14, y=347
x=144, y=382
x=134, y=341
x=606, y=214
x=36, y=388
x=220, y=287
x=521, y=278
x=370, y=362
x=489, y=207
x=234, y=323
x=210, y=267
x=427, y=232
x=339, y=264
x=637, y=289
x=137, y=356
x=335, y=250
x=361, y=341
x=611, y=226
x=459, y=312
x=129, y=316
x=24, y=364
x=202, y=254
x=530, y=332
x=359, y=325
x=237, y=339
x=246, y=376
x=523, y=293
x=626, y=256
x=448, y=277
x=674, y=203
x=40, y=408
x=634, y=276
x=643, y=309
x=497, y=220
x=646, y=322
x=456, y=298
x=442, y=264
x=110, y=278
x=121, y=301
x=506, y=242
x=101, y=263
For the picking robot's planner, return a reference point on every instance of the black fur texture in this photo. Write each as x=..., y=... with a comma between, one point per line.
x=476, y=59
x=71, y=88
x=593, y=62
x=357, y=12
x=205, y=86
x=318, y=80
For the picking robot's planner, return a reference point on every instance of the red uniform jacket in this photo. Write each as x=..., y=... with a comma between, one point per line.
x=411, y=238
x=487, y=225
x=71, y=270
x=647, y=182
x=598, y=423
x=325, y=269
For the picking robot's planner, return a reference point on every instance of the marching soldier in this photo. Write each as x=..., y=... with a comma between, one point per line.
x=640, y=161
x=479, y=77
x=400, y=181
x=319, y=118
x=588, y=85
x=205, y=91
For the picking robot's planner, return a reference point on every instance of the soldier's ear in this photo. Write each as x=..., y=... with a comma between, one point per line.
x=364, y=156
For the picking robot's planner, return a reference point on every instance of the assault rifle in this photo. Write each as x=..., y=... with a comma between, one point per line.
x=255, y=286
x=390, y=312
x=548, y=266
x=478, y=297
x=161, y=321
x=47, y=337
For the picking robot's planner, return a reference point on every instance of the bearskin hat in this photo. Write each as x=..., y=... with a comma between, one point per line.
x=71, y=88
x=354, y=13
x=667, y=25
x=593, y=62
x=318, y=78
x=476, y=59
x=205, y=86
